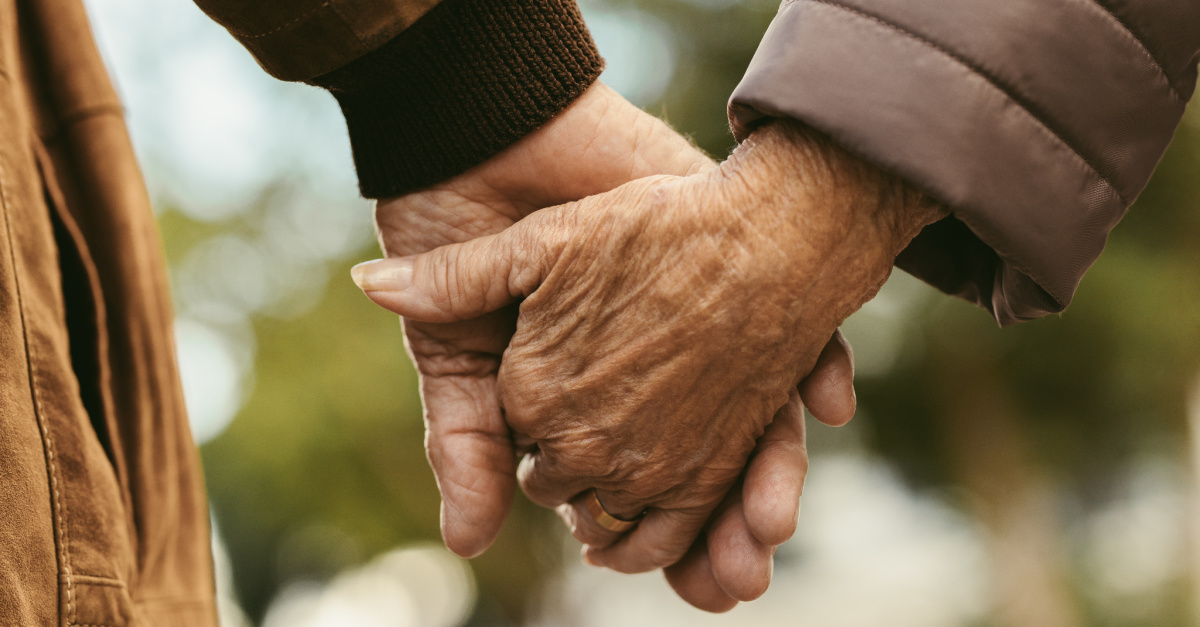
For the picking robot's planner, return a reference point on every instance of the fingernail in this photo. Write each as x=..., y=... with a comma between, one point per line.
x=383, y=275
x=586, y=553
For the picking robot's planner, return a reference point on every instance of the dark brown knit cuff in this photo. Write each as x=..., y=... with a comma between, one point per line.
x=464, y=82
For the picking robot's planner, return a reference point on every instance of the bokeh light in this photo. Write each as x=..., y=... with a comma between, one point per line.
x=990, y=476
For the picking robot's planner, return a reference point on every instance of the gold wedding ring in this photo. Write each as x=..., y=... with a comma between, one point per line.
x=605, y=519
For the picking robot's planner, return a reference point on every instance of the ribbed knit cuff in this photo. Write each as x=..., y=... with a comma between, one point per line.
x=464, y=82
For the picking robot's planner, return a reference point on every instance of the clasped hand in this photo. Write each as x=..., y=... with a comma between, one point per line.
x=667, y=333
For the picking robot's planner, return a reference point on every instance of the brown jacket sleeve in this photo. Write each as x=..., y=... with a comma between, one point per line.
x=1037, y=122
x=297, y=40
x=429, y=89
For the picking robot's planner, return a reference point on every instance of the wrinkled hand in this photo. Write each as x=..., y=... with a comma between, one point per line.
x=665, y=324
x=599, y=143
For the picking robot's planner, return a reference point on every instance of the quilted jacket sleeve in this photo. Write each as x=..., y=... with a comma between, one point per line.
x=1037, y=122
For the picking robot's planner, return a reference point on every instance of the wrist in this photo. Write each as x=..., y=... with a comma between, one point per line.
x=841, y=220
x=831, y=190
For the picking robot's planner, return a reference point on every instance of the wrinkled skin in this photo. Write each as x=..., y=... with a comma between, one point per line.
x=665, y=326
x=599, y=143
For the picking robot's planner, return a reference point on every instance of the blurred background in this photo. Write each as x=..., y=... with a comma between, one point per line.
x=1044, y=475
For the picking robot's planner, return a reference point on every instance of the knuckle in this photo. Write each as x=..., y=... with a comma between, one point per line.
x=434, y=451
x=523, y=405
x=635, y=487
x=579, y=451
x=586, y=457
x=439, y=269
x=528, y=256
x=546, y=480
x=529, y=395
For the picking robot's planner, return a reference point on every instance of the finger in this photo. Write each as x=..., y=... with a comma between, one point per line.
x=469, y=448
x=468, y=347
x=583, y=524
x=828, y=391
x=463, y=281
x=740, y=563
x=546, y=483
x=692, y=579
x=662, y=538
x=550, y=485
x=775, y=476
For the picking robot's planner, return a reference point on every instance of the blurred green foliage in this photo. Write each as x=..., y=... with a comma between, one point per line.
x=1089, y=394
x=1096, y=386
x=324, y=466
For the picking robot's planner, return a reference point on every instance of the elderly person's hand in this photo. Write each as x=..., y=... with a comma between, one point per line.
x=665, y=323
x=599, y=143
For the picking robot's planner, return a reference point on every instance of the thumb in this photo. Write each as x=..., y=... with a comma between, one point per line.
x=463, y=281
x=472, y=456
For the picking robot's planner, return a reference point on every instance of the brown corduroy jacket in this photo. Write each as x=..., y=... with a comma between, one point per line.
x=1036, y=122
x=103, y=516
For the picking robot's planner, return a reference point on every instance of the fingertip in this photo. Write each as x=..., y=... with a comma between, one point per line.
x=471, y=521
x=394, y=274
x=692, y=579
x=741, y=565
x=468, y=447
x=386, y=282
x=836, y=405
x=413, y=305
x=464, y=547
x=447, y=284
x=472, y=514
x=828, y=391
x=772, y=520
x=468, y=539
x=775, y=476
